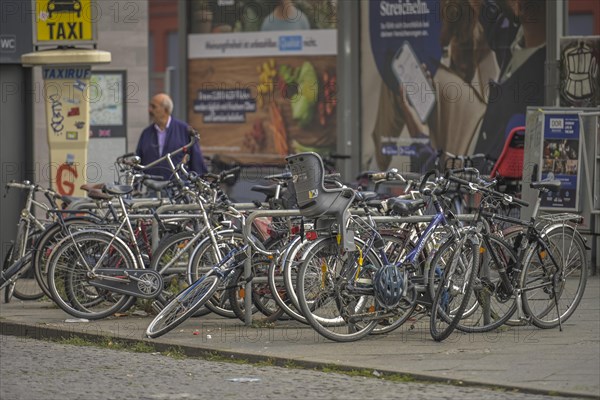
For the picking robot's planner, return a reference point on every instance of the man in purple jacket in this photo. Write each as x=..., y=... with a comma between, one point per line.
x=164, y=135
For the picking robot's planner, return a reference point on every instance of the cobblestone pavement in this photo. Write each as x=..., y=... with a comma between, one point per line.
x=32, y=369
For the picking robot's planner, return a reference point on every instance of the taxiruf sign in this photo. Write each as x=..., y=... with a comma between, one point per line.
x=66, y=89
x=63, y=22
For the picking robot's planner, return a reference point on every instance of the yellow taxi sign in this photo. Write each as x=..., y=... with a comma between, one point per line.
x=63, y=21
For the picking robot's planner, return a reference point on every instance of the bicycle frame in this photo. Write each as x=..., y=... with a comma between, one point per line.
x=236, y=257
x=21, y=256
x=534, y=236
x=28, y=219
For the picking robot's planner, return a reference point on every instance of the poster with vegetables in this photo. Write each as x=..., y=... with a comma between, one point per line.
x=257, y=96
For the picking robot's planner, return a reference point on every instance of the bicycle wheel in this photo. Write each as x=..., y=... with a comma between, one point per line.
x=176, y=251
x=282, y=279
x=205, y=255
x=288, y=268
x=396, y=248
x=554, y=276
x=46, y=242
x=262, y=299
x=334, y=309
x=23, y=285
x=491, y=305
x=461, y=261
x=6, y=264
x=14, y=276
x=68, y=274
x=183, y=306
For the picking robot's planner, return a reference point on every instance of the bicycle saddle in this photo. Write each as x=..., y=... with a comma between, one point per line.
x=366, y=196
x=267, y=190
x=98, y=194
x=552, y=186
x=404, y=207
x=118, y=190
x=156, y=185
x=89, y=187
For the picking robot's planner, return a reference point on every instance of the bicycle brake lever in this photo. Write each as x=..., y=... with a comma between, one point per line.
x=473, y=187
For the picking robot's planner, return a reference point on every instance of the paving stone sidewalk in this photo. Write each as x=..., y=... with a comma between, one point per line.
x=527, y=358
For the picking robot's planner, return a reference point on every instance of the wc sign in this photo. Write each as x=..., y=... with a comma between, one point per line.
x=8, y=43
x=63, y=21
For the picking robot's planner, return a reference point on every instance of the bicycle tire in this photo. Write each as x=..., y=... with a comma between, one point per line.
x=68, y=276
x=205, y=255
x=282, y=291
x=490, y=305
x=46, y=242
x=291, y=263
x=396, y=248
x=6, y=264
x=549, y=299
x=183, y=306
x=261, y=303
x=175, y=277
x=24, y=287
x=15, y=280
x=335, y=314
x=509, y=235
x=445, y=313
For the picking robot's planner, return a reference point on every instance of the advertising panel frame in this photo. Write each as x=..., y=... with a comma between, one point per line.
x=558, y=158
x=107, y=130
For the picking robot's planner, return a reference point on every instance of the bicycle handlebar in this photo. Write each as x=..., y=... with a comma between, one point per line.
x=433, y=172
x=478, y=187
x=391, y=175
x=27, y=185
x=284, y=176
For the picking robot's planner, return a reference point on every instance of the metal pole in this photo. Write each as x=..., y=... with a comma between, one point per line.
x=182, y=10
x=555, y=16
x=348, y=87
x=247, y=232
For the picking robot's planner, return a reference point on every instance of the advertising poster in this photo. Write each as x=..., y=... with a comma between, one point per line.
x=446, y=76
x=107, y=104
x=561, y=159
x=262, y=78
x=404, y=43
